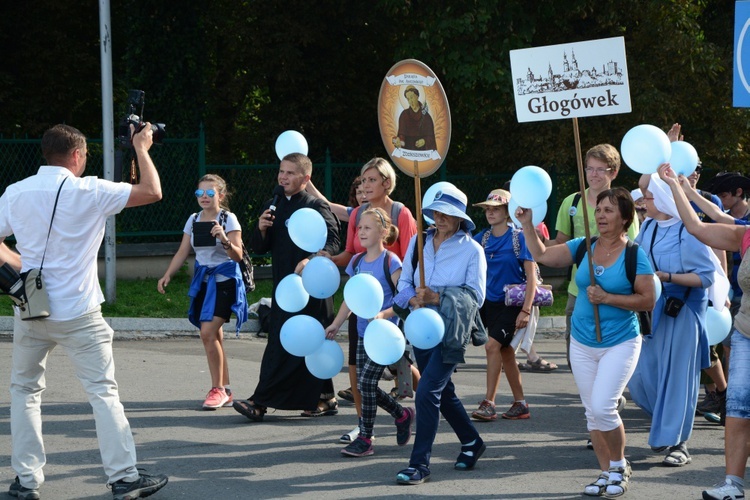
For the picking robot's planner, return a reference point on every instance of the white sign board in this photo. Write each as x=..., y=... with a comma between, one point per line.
x=571, y=80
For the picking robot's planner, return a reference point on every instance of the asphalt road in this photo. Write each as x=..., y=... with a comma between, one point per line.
x=221, y=454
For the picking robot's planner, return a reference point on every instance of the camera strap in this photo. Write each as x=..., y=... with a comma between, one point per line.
x=54, y=209
x=651, y=249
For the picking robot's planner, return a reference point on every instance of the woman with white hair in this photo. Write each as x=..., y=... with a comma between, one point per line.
x=454, y=285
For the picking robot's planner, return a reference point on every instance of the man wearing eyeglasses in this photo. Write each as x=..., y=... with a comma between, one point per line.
x=602, y=164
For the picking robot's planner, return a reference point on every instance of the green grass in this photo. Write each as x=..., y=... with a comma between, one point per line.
x=140, y=299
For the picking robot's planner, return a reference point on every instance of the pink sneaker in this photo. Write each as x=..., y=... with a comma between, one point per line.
x=216, y=398
x=230, y=398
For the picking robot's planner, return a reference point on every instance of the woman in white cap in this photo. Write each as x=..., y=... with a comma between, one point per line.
x=455, y=273
x=508, y=261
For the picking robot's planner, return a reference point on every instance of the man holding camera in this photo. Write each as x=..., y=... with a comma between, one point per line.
x=68, y=250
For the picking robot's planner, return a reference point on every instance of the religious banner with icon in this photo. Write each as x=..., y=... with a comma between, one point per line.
x=414, y=118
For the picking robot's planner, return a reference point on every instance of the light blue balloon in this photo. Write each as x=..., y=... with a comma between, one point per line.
x=718, y=325
x=537, y=213
x=424, y=328
x=291, y=295
x=429, y=196
x=327, y=361
x=657, y=287
x=364, y=295
x=308, y=230
x=530, y=186
x=684, y=158
x=290, y=142
x=302, y=335
x=384, y=342
x=644, y=148
x=321, y=277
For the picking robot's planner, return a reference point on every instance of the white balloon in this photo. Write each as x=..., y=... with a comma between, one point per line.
x=302, y=335
x=530, y=186
x=657, y=287
x=290, y=142
x=384, y=342
x=291, y=295
x=320, y=277
x=537, y=213
x=308, y=230
x=363, y=295
x=644, y=148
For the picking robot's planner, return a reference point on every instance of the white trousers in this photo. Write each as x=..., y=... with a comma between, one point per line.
x=88, y=343
x=601, y=374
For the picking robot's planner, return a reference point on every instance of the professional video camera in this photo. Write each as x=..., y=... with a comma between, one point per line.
x=136, y=100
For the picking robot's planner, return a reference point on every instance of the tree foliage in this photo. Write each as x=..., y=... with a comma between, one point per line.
x=249, y=70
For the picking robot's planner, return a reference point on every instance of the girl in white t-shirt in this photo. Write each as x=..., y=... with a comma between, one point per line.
x=374, y=231
x=217, y=288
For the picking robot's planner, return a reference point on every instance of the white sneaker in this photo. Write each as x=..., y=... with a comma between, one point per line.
x=723, y=491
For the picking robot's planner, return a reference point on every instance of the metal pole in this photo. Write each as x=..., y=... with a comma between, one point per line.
x=108, y=149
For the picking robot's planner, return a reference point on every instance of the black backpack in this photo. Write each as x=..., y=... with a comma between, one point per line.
x=631, y=265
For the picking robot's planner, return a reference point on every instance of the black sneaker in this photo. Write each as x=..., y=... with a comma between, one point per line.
x=146, y=485
x=360, y=447
x=403, y=428
x=16, y=490
x=710, y=404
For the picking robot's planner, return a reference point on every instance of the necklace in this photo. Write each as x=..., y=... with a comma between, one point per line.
x=613, y=248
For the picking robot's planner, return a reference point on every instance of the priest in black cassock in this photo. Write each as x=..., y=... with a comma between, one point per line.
x=285, y=382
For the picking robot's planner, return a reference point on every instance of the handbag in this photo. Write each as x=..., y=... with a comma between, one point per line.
x=515, y=295
x=36, y=299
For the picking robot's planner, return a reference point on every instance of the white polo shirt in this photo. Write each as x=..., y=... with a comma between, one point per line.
x=70, y=265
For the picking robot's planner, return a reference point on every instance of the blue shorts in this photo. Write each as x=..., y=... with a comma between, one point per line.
x=738, y=389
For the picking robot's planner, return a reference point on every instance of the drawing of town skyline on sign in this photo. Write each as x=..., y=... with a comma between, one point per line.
x=567, y=74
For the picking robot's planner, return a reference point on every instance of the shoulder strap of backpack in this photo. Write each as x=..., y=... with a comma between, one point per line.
x=573, y=205
x=396, y=212
x=387, y=271
x=631, y=261
x=364, y=206
x=581, y=250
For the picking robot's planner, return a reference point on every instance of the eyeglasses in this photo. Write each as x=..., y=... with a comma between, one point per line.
x=600, y=171
x=698, y=169
x=209, y=192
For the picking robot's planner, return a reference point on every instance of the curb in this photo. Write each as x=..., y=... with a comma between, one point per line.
x=165, y=328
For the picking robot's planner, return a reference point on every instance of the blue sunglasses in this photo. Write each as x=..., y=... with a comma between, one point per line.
x=200, y=192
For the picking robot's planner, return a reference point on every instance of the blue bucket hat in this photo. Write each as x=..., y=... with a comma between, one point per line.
x=450, y=201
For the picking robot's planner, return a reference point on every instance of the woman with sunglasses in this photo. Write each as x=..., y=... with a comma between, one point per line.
x=217, y=289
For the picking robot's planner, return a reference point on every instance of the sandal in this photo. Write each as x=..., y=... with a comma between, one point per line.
x=413, y=475
x=678, y=456
x=541, y=365
x=617, y=487
x=250, y=410
x=598, y=487
x=324, y=409
x=469, y=455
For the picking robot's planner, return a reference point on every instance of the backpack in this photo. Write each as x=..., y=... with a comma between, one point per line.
x=631, y=265
x=246, y=264
x=395, y=212
x=386, y=267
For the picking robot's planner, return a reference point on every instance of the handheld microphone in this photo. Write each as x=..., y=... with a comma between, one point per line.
x=278, y=192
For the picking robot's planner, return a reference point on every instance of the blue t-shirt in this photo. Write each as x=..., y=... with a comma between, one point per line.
x=714, y=199
x=375, y=268
x=503, y=267
x=617, y=325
